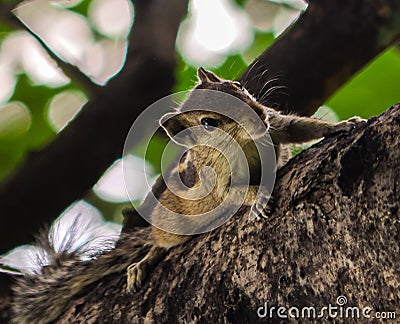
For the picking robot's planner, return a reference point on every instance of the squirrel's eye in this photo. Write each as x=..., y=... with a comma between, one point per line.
x=210, y=123
x=238, y=84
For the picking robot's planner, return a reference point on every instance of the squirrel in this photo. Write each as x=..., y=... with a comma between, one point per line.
x=283, y=129
x=138, y=256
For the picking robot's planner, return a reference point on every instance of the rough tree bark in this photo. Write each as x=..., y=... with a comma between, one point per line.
x=334, y=230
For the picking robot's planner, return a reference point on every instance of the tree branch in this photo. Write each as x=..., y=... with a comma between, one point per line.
x=328, y=44
x=68, y=167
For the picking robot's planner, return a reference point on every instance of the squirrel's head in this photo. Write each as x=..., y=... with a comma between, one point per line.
x=210, y=81
x=216, y=110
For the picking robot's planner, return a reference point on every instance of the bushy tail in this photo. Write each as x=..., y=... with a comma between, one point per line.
x=77, y=251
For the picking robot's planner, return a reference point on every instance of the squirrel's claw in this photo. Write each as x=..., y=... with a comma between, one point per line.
x=347, y=125
x=259, y=214
x=137, y=272
x=260, y=210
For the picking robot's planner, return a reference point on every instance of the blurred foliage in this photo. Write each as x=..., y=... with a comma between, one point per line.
x=154, y=151
x=4, y=29
x=241, y=2
x=231, y=69
x=371, y=92
x=260, y=43
x=14, y=149
x=81, y=8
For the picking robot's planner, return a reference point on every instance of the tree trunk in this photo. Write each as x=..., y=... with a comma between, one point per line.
x=334, y=231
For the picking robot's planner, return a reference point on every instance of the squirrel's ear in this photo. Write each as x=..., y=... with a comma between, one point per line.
x=207, y=76
x=173, y=124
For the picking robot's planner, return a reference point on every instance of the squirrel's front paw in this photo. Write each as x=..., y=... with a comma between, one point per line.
x=356, y=120
x=136, y=274
x=348, y=125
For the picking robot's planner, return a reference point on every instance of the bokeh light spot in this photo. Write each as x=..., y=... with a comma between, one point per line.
x=214, y=29
x=64, y=107
x=15, y=120
x=112, y=18
x=111, y=186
